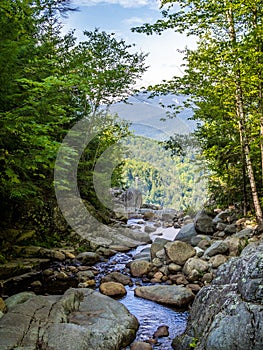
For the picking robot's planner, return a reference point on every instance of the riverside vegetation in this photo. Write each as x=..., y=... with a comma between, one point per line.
x=213, y=267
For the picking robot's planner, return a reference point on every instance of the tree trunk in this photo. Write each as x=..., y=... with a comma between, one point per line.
x=240, y=111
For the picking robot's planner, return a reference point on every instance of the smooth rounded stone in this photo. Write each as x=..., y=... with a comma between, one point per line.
x=218, y=247
x=178, y=252
x=88, y=258
x=149, y=229
x=204, y=244
x=197, y=239
x=230, y=229
x=174, y=267
x=113, y=289
x=157, y=277
x=178, y=296
x=234, y=245
x=139, y=345
x=204, y=223
x=179, y=279
x=161, y=254
x=140, y=268
x=162, y=331
x=217, y=260
x=117, y=277
x=208, y=277
x=245, y=233
x=83, y=276
x=157, y=245
x=19, y=298
x=186, y=233
x=80, y=319
x=195, y=264
x=3, y=306
x=194, y=287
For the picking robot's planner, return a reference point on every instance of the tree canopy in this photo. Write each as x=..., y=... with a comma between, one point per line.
x=48, y=82
x=223, y=79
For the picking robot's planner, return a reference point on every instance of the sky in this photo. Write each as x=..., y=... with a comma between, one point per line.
x=119, y=16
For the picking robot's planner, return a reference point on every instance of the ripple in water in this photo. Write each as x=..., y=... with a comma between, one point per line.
x=152, y=315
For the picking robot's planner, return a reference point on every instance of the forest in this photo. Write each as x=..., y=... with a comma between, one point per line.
x=171, y=177
x=49, y=81
x=223, y=79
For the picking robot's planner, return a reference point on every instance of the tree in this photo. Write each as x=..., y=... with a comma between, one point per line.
x=48, y=82
x=223, y=78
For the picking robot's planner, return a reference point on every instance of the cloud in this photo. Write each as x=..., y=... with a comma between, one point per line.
x=153, y=4
x=137, y=21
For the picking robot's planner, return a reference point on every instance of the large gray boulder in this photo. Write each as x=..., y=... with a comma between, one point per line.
x=178, y=252
x=171, y=295
x=80, y=319
x=186, y=233
x=204, y=223
x=228, y=314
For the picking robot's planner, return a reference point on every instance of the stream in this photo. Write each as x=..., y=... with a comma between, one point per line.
x=150, y=314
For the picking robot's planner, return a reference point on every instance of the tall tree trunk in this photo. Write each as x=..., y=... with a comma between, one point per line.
x=240, y=111
x=259, y=49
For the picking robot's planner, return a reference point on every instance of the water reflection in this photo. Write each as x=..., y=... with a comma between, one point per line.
x=152, y=315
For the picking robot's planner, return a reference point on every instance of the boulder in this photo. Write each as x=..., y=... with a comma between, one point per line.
x=245, y=233
x=178, y=252
x=149, y=229
x=113, y=289
x=218, y=260
x=140, y=345
x=88, y=258
x=171, y=295
x=230, y=229
x=80, y=319
x=204, y=223
x=186, y=233
x=140, y=268
x=162, y=331
x=144, y=254
x=117, y=277
x=218, y=247
x=157, y=245
x=228, y=314
x=195, y=264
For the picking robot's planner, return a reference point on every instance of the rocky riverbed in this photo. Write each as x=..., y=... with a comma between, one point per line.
x=74, y=295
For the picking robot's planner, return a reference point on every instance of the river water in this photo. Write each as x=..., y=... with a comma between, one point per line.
x=150, y=315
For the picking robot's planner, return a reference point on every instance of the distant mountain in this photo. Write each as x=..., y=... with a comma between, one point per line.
x=146, y=115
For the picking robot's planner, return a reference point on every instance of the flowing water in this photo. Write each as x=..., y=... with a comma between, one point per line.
x=150, y=315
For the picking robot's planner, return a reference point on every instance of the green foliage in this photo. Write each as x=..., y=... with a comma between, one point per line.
x=223, y=79
x=48, y=82
x=193, y=344
x=177, y=181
